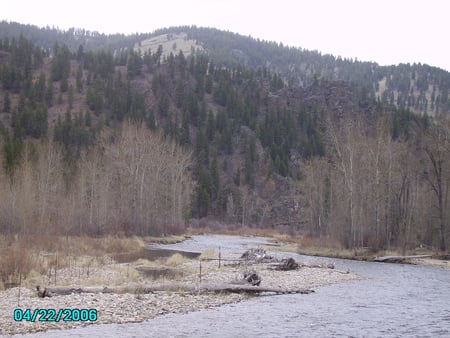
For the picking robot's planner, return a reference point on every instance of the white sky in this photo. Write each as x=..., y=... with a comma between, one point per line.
x=384, y=31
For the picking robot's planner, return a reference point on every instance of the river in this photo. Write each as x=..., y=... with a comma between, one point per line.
x=393, y=300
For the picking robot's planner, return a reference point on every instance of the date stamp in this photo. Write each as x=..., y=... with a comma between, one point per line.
x=53, y=315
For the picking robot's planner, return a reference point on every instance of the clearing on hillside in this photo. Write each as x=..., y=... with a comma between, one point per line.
x=172, y=42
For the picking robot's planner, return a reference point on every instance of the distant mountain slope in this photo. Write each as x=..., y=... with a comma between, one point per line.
x=418, y=87
x=72, y=38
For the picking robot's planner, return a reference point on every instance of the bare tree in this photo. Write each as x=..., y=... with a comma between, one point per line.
x=317, y=186
x=436, y=148
x=359, y=186
x=150, y=178
x=343, y=140
x=49, y=182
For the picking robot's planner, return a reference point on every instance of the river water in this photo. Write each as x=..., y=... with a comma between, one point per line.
x=393, y=300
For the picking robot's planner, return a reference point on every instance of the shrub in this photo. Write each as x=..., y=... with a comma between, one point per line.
x=175, y=260
x=15, y=263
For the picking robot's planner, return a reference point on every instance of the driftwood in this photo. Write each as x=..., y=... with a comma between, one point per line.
x=248, y=276
x=42, y=292
x=252, y=289
x=285, y=265
x=176, y=287
x=398, y=259
x=256, y=255
x=320, y=265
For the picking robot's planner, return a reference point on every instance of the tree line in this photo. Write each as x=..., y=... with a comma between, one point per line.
x=374, y=190
x=136, y=183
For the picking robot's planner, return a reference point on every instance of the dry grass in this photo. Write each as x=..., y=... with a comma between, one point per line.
x=101, y=246
x=126, y=274
x=15, y=263
x=286, y=238
x=35, y=278
x=239, y=231
x=324, y=247
x=145, y=263
x=171, y=239
x=42, y=261
x=3, y=241
x=50, y=260
x=208, y=254
x=176, y=260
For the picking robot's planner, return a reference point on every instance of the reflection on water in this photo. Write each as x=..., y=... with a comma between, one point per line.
x=394, y=300
x=154, y=252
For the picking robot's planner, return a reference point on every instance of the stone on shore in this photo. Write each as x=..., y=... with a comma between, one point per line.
x=129, y=307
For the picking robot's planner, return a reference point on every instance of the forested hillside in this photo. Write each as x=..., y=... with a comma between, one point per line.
x=418, y=87
x=45, y=38
x=142, y=142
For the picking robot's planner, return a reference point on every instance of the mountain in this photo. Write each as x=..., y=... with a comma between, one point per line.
x=280, y=137
x=419, y=87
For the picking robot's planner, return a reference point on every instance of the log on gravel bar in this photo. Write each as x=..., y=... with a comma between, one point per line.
x=176, y=287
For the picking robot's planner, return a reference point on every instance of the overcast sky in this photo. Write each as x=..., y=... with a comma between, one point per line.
x=384, y=31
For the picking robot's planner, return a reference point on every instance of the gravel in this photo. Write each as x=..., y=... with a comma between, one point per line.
x=125, y=308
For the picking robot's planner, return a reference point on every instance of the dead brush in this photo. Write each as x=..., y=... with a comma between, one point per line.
x=63, y=260
x=176, y=260
x=99, y=246
x=15, y=264
x=208, y=254
x=125, y=244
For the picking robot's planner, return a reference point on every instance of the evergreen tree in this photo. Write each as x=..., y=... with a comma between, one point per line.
x=6, y=103
x=61, y=64
x=94, y=97
x=49, y=94
x=249, y=159
x=184, y=133
x=39, y=89
x=134, y=64
x=201, y=148
x=12, y=150
x=70, y=97
x=79, y=79
x=210, y=126
x=215, y=179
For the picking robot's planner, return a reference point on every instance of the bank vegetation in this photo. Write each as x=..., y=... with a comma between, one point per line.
x=380, y=192
x=132, y=182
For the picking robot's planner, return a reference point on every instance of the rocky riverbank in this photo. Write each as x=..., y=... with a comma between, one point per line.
x=136, y=307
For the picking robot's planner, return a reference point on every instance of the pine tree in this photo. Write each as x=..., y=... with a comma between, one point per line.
x=215, y=178
x=250, y=156
x=12, y=150
x=6, y=103
x=210, y=126
x=184, y=132
x=79, y=79
x=70, y=97
x=49, y=94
